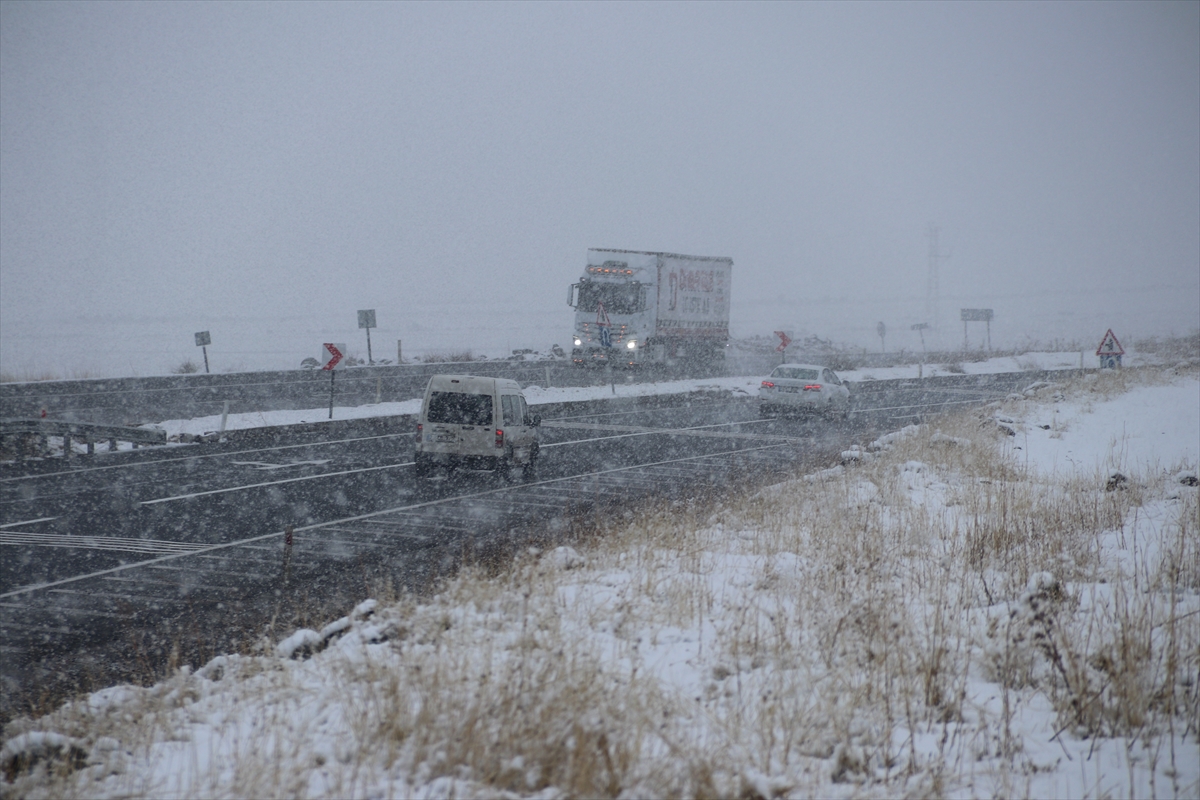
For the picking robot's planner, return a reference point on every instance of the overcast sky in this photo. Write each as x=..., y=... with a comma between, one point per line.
x=264, y=170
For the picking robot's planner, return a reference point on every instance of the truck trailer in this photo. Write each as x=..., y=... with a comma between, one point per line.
x=636, y=308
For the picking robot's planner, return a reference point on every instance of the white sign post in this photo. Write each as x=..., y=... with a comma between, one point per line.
x=333, y=354
x=976, y=315
x=203, y=340
x=784, y=341
x=366, y=319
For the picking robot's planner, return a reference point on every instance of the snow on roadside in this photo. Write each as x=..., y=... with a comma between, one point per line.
x=539, y=395
x=956, y=611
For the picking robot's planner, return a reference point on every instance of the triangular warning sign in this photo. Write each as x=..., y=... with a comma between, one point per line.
x=1109, y=346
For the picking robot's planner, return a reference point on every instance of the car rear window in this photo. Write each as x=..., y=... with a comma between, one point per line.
x=457, y=408
x=795, y=373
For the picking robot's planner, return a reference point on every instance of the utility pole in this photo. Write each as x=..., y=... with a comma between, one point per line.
x=932, y=292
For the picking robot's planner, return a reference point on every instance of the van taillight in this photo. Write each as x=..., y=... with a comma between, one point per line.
x=418, y=433
x=499, y=438
x=768, y=384
x=812, y=387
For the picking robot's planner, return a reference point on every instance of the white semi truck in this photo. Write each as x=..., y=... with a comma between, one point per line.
x=634, y=308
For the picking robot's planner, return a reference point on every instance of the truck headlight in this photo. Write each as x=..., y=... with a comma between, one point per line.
x=631, y=344
x=578, y=342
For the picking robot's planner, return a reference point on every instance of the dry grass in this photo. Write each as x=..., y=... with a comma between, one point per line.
x=1171, y=348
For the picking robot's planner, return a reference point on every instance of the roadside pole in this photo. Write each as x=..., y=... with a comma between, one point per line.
x=203, y=340
x=781, y=348
x=366, y=319
x=332, y=375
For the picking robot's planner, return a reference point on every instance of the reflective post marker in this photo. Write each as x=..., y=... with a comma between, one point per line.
x=287, y=554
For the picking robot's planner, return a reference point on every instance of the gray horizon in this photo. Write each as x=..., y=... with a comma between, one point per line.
x=263, y=171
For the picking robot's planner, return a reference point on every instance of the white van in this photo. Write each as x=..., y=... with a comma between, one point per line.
x=476, y=423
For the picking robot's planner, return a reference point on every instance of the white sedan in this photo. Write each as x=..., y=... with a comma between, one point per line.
x=803, y=387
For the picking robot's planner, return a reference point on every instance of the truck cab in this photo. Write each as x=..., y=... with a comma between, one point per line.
x=613, y=314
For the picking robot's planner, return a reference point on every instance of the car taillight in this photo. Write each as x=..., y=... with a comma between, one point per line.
x=499, y=438
x=768, y=385
x=812, y=387
x=418, y=433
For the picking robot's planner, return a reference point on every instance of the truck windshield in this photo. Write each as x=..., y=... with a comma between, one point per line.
x=618, y=298
x=457, y=408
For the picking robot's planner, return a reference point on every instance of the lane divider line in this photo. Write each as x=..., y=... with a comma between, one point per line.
x=697, y=430
x=228, y=489
x=97, y=542
x=27, y=522
x=276, y=534
x=185, y=455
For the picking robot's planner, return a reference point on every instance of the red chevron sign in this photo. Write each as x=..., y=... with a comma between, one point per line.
x=335, y=355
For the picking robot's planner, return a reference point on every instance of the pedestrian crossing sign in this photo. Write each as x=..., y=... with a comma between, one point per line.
x=1109, y=346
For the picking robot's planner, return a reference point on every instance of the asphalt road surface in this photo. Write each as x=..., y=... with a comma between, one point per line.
x=119, y=565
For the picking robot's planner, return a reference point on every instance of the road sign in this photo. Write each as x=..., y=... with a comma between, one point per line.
x=333, y=354
x=605, y=325
x=203, y=340
x=784, y=341
x=1109, y=346
x=1110, y=351
x=366, y=319
x=976, y=315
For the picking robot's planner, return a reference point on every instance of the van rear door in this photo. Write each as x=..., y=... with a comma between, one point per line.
x=461, y=422
x=519, y=434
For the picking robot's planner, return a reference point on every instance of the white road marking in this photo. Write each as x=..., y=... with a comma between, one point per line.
x=191, y=495
x=267, y=466
x=158, y=461
x=698, y=430
x=97, y=542
x=332, y=523
x=27, y=522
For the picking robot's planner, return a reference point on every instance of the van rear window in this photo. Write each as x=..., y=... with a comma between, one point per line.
x=457, y=408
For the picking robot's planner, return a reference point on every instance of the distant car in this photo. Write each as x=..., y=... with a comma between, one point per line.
x=803, y=387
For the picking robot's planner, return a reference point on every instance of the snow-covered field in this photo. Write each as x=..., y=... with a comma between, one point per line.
x=538, y=395
x=1005, y=603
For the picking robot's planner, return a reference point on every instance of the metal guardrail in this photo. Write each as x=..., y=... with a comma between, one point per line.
x=13, y=430
x=135, y=401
